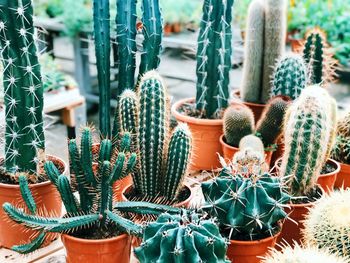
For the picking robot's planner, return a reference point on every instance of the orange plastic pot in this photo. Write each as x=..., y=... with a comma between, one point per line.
x=116, y=249
x=327, y=181
x=250, y=251
x=205, y=136
x=343, y=177
x=257, y=108
x=48, y=203
x=119, y=186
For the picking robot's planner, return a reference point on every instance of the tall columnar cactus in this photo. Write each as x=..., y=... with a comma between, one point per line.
x=214, y=57
x=274, y=41
x=185, y=237
x=290, y=77
x=327, y=225
x=341, y=149
x=307, y=132
x=253, y=52
x=269, y=128
x=238, y=122
x=24, y=136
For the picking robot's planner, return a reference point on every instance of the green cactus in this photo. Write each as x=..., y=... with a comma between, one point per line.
x=307, y=132
x=341, y=149
x=249, y=207
x=186, y=237
x=290, y=77
x=24, y=136
x=214, y=58
x=238, y=122
x=269, y=127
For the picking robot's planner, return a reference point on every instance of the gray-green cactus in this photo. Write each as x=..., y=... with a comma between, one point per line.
x=341, y=149
x=24, y=136
x=214, y=58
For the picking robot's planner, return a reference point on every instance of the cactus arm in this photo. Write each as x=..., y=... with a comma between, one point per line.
x=145, y=208
x=125, y=225
x=51, y=172
x=105, y=189
x=125, y=142
x=103, y=50
x=313, y=55
x=105, y=151
x=128, y=111
x=26, y=194
x=126, y=40
x=131, y=164
x=32, y=246
x=67, y=196
x=86, y=156
x=72, y=223
x=117, y=172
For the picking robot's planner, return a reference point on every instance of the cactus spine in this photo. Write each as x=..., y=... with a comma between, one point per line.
x=290, y=77
x=214, y=58
x=24, y=136
x=341, y=149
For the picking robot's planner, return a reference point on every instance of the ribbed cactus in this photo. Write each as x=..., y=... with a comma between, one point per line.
x=24, y=136
x=307, y=132
x=214, y=58
x=290, y=77
x=186, y=237
x=269, y=127
x=250, y=207
x=253, y=53
x=327, y=224
x=341, y=149
x=238, y=122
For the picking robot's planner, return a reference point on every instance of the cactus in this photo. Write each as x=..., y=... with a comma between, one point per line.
x=238, y=122
x=327, y=224
x=269, y=127
x=24, y=136
x=302, y=255
x=214, y=58
x=274, y=41
x=248, y=162
x=341, y=149
x=253, y=53
x=307, y=134
x=253, y=142
x=250, y=207
x=290, y=77
x=186, y=237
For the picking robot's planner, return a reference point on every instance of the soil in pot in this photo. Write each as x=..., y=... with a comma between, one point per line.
x=343, y=177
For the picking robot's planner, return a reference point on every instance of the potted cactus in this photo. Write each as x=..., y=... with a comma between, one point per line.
x=204, y=113
x=24, y=134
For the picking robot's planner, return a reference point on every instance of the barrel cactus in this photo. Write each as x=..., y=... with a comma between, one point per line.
x=341, y=149
x=185, y=237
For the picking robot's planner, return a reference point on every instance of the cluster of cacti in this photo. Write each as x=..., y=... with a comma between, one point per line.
x=341, y=149
x=24, y=136
x=248, y=206
x=308, y=135
x=163, y=157
x=214, y=58
x=327, y=224
x=265, y=43
x=185, y=237
x=290, y=77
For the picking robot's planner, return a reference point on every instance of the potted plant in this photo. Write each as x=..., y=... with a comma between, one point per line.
x=24, y=135
x=204, y=114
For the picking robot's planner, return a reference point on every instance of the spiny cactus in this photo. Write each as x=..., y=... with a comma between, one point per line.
x=252, y=142
x=290, y=77
x=250, y=207
x=327, y=224
x=341, y=149
x=214, y=58
x=269, y=127
x=307, y=132
x=186, y=237
x=302, y=255
x=24, y=136
x=248, y=162
x=238, y=122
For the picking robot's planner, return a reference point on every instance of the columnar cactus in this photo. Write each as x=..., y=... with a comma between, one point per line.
x=327, y=224
x=290, y=77
x=307, y=132
x=341, y=149
x=238, y=122
x=214, y=58
x=185, y=237
x=24, y=136
x=249, y=207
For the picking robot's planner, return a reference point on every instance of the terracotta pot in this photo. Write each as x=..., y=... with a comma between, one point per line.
x=257, y=108
x=327, y=181
x=48, y=201
x=167, y=29
x=343, y=177
x=119, y=186
x=176, y=28
x=205, y=135
x=250, y=251
x=116, y=249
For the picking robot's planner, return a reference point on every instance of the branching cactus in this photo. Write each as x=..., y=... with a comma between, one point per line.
x=307, y=132
x=214, y=58
x=238, y=122
x=24, y=136
x=185, y=237
x=290, y=77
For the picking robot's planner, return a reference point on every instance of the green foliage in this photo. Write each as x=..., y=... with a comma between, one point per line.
x=184, y=237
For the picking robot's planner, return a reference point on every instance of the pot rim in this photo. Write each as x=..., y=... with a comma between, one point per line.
x=94, y=241
x=255, y=242
x=193, y=120
x=226, y=145
x=336, y=171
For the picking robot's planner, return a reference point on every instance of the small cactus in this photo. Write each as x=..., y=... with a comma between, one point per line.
x=238, y=122
x=341, y=149
x=290, y=77
x=253, y=142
